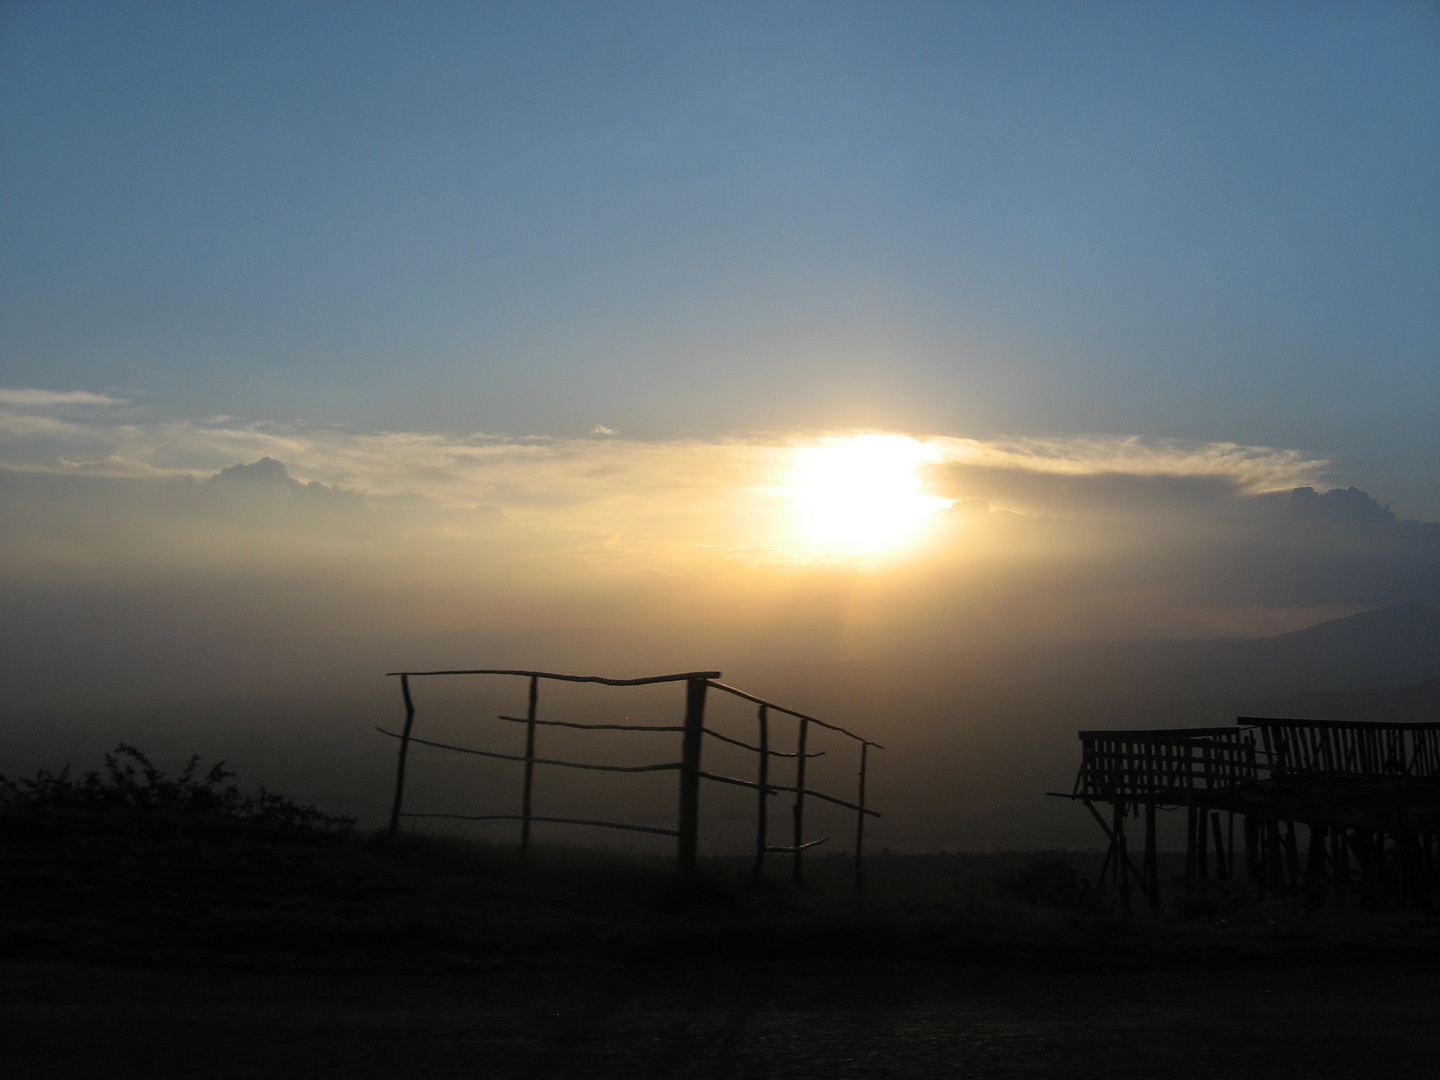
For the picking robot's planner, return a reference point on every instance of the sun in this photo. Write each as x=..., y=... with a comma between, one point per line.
x=860, y=494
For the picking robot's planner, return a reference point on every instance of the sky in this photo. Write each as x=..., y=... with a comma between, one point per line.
x=817, y=331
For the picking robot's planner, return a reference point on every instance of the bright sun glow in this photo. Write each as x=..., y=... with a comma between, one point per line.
x=861, y=494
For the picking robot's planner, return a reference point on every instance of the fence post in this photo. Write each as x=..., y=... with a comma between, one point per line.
x=860, y=822
x=404, y=748
x=799, y=809
x=687, y=844
x=764, y=782
x=529, y=768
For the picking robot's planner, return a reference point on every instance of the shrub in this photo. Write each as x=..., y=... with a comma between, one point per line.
x=131, y=782
x=1048, y=878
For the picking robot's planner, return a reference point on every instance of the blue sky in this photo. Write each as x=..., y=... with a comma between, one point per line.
x=1194, y=221
x=1203, y=221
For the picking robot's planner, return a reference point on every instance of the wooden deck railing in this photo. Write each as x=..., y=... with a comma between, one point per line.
x=1164, y=764
x=1348, y=747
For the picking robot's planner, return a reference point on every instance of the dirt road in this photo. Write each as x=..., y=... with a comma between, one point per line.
x=467, y=1019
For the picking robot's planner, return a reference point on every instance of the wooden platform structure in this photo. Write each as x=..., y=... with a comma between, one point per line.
x=1367, y=796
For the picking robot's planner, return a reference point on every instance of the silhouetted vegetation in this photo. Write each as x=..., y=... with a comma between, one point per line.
x=1047, y=878
x=130, y=865
x=131, y=782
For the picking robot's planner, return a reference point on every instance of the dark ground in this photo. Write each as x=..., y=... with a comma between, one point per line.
x=175, y=950
x=719, y=1019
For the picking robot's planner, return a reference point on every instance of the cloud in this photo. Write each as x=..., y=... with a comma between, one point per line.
x=43, y=398
x=621, y=477
x=268, y=475
x=1098, y=475
x=436, y=527
x=1036, y=491
x=1338, y=506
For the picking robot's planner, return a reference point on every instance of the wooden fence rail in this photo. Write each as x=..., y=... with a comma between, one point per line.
x=692, y=731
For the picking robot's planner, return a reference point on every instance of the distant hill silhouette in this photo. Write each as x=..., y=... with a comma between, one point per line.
x=1419, y=703
x=1392, y=646
x=1386, y=647
x=1412, y=628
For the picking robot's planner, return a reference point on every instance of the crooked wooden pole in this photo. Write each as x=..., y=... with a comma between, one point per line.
x=764, y=781
x=529, y=768
x=687, y=844
x=404, y=749
x=860, y=822
x=798, y=811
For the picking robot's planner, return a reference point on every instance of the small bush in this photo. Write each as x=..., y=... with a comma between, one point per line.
x=131, y=782
x=1048, y=879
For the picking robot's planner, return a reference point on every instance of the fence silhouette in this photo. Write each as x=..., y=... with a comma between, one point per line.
x=692, y=732
x=1368, y=794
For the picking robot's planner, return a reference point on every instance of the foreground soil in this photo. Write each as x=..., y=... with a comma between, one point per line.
x=717, y=1020
x=186, y=951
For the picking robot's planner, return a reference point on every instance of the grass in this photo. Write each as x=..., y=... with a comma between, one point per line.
x=130, y=865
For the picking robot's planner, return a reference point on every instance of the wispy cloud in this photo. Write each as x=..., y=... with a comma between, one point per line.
x=40, y=398
x=1026, y=469
x=613, y=528
x=696, y=489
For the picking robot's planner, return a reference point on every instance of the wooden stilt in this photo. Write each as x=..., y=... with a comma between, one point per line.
x=1275, y=859
x=1339, y=861
x=1152, y=871
x=1202, y=856
x=1191, y=873
x=1122, y=879
x=1222, y=870
x=1252, y=846
x=1292, y=855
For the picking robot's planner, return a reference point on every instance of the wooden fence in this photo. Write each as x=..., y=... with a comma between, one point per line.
x=692, y=732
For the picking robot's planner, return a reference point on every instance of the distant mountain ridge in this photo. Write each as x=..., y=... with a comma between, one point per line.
x=1162, y=682
x=1405, y=637
x=1417, y=704
x=1415, y=623
x=1392, y=646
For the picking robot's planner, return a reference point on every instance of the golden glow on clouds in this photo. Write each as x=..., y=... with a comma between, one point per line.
x=763, y=499
x=860, y=494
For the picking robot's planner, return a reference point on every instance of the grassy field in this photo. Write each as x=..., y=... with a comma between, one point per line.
x=156, y=939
